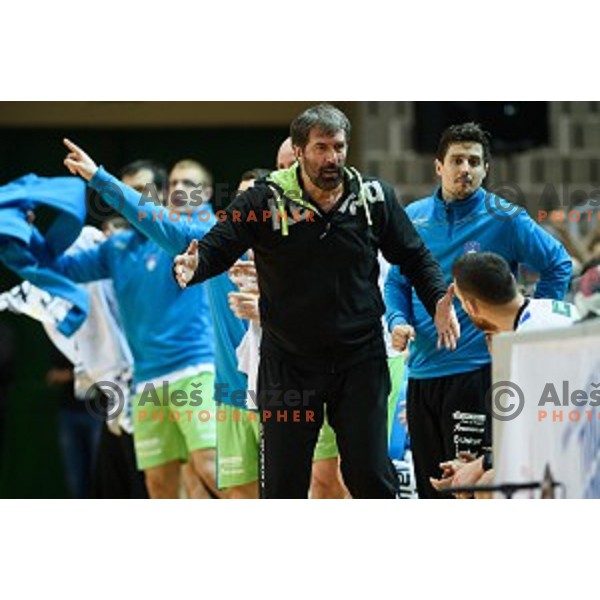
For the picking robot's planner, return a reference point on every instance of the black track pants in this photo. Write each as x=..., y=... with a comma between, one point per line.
x=446, y=415
x=292, y=402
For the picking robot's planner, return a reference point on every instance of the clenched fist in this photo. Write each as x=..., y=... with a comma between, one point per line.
x=401, y=335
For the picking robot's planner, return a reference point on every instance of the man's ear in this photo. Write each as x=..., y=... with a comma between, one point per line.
x=207, y=193
x=472, y=306
x=438, y=167
x=298, y=153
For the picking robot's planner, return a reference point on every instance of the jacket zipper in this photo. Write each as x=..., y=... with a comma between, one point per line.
x=450, y=219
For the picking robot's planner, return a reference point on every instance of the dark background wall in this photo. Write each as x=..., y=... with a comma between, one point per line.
x=226, y=151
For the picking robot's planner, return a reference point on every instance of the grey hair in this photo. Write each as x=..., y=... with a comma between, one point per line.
x=324, y=117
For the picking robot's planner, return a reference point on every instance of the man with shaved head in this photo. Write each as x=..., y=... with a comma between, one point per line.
x=285, y=156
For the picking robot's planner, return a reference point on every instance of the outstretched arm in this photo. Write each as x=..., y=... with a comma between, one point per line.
x=402, y=245
x=226, y=242
x=84, y=266
x=78, y=162
x=172, y=231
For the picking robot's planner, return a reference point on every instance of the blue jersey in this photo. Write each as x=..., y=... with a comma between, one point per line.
x=230, y=383
x=167, y=328
x=480, y=223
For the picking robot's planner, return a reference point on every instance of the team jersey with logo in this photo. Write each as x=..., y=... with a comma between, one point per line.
x=536, y=315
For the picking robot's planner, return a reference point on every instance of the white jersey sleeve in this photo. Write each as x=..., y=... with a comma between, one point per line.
x=547, y=314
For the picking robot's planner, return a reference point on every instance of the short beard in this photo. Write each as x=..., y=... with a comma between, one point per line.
x=464, y=194
x=327, y=185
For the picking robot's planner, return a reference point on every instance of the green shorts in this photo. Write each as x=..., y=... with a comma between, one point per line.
x=396, y=368
x=238, y=446
x=326, y=447
x=168, y=429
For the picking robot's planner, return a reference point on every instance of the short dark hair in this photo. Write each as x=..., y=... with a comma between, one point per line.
x=256, y=173
x=461, y=134
x=325, y=117
x=485, y=276
x=158, y=171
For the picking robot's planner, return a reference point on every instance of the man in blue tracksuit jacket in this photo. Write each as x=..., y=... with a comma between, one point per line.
x=170, y=341
x=446, y=391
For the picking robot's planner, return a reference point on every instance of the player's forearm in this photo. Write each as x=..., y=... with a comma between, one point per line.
x=168, y=229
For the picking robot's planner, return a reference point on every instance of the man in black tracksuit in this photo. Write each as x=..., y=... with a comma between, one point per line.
x=316, y=230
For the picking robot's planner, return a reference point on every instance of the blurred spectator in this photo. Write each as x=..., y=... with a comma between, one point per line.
x=583, y=250
x=587, y=291
x=593, y=246
x=527, y=280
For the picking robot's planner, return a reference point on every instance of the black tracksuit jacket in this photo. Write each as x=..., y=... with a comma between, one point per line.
x=320, y=300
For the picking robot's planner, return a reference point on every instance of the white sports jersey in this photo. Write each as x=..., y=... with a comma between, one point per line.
x=539, y=315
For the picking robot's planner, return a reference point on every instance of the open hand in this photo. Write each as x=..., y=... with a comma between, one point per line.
x=446, y=322
x=244, y=306
x=243, y=274
x=185, y=265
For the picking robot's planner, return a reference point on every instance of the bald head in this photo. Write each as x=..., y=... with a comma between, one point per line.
x=286, y=157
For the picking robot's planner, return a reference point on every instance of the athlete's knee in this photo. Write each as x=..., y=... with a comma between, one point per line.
x=326, y=482
x=205, y=465
x=328, y=490
x=248, y=491
x=162, y=482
